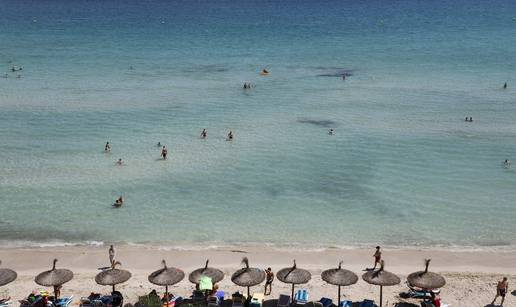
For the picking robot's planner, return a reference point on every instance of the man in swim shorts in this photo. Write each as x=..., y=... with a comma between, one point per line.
x=377, y=257
x=501, y=290
x=164, y=153
x=268, y=281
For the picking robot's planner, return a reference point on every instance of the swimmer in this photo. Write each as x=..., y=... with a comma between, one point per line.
x=505, y=85
x=331, y=131
x=107, y=148
x=119, y=202
x=159, y=144
x=230, y=136
x=344, y=77
x=264, y=72
x=245, y=86
x=204, y=134
x=507, y=163
x=119, y=162
x=164, y=153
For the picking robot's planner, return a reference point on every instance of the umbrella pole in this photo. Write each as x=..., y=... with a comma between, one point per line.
x=292, y=293
x=248, y=293
x=381, y=295
x=113, y=288
x=166, y=294
x=338, y=299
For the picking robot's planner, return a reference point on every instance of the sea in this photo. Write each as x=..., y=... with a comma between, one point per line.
x=403, y=168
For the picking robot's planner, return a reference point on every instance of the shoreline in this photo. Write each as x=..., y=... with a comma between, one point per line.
x=471, y=275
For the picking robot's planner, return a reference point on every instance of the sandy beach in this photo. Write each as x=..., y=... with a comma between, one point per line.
x=471, y=275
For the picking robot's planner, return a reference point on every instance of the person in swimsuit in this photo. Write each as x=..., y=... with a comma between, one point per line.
x=111, y=254
x=107, y=148
x=230, y=135
x=204, y=134
x=119, y=202
x=377, y=257
x=119, y=162
x=331, y=131
x=268, y=281
x=159, y=144
x=501, y=290
x=164, y=153
x=505, y=85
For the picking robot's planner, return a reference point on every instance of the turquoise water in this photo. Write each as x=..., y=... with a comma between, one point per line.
x=403, y=168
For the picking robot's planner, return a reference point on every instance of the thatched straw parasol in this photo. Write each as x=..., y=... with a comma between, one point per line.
x=425, y=279
x=54, y=278
x=216, y=275
x=7, y=276
x=294, y=276
x=339, y=277
x=166, y=277
x=381, y=278
x=112, y=276
x=248, y=277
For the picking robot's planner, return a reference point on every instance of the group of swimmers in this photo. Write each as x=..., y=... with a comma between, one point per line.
x=469, y=119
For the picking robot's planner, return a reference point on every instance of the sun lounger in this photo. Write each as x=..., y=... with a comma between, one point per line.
x=213, y=301
x=367, y=303
x=301, y=296
x=283, y=300
x=326, y=302
x=346, y=304
x=63, y=301
x=5, y=302
x=257, y=300
x=238, y=301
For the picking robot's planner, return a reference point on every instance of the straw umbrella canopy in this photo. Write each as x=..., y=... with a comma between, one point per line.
x=216, y=275
x=112, y=276
x=425, y=279
x=54, y=278
x=294, y=276
x=339, y=277
x=381, y=278
x=7, y=276
x=248, y=277
x=166, y=277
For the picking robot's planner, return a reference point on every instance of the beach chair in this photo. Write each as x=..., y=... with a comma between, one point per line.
x=283, y=300
x=346, y=304
x=213, y=301
x=326, y=302
x=367, y=303
x=238, y=301
x=5, y=302
x=63, y=301
x=256, y=300
x=198, y=296
x=301, y=297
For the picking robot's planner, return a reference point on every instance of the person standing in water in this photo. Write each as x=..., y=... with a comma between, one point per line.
x=164, y=153
x=119, y=162
x=107, y=148
x=505, y=85
x=377, y=257
x=204, y=134
x=230, y=135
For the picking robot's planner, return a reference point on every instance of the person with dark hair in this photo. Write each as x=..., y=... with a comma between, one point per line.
x=501, y=290
x=268, y=281
x=377, y=257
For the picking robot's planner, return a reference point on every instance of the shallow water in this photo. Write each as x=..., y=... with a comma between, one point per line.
x=403, y=168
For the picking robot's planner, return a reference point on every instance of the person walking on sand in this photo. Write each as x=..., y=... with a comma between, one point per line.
x=268, y=281
x=164, y=153
x=377, y=257
x=501, y=290
x=111, y=254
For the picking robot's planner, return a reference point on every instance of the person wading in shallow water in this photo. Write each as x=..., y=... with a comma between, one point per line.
x=268, y=281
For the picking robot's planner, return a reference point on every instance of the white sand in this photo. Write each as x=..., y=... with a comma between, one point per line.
x=471, y=275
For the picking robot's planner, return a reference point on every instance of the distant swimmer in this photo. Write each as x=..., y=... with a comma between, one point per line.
x=505, y=85
x=164, y=153
x=204, y=134
x=119, y=162
x=230, y=136
x=107, y=148
x=264, y=72
x=159, y=144
x=119, y=202
x=469, y=119
x=507, y=163
x=344, y=77
x=331, y=131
